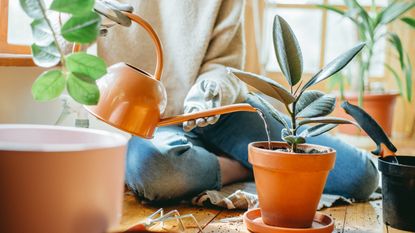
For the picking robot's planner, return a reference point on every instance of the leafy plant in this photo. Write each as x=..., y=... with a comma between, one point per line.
x=78, y=71
x=303, y=106
x=369, y=24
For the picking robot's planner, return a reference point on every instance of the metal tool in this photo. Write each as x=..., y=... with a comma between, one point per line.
x=159, y=217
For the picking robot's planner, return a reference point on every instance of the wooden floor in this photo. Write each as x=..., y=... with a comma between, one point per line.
x=355, y=218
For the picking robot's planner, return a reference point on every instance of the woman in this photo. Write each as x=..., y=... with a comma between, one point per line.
x=200, y=39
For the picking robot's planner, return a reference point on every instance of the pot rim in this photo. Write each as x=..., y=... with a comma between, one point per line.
x=354, y=95
x=290, y=162
x=328, y=151
x=113, y=139
x=396, y=169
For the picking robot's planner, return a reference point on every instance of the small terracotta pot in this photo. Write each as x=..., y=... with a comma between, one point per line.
x=289, y=185
x=379, y=106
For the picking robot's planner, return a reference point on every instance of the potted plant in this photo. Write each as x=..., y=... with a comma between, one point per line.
x=290, y=175
x=370, y=25
x=398, y=173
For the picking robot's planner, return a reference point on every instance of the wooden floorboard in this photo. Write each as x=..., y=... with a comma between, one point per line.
x=364, y=218
x=228, y=221
x=339, y=216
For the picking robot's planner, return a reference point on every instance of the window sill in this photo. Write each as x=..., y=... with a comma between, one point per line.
x=16, y=60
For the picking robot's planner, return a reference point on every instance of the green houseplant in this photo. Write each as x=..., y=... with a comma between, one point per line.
x=370, y=25
x=279, y=167
x=77, y=71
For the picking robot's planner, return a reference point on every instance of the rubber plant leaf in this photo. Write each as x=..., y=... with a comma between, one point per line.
x=314, y=104
x=82, y=89
x=42, y=35
x=86, y=64
x=370, y=126
x=272, y=111
x=394, y=11
x=409, y=21
x=265, y=85
x=49, y=85
x=327, y=120
x=32, y=8
x=334, y=66
x=287, y=51
x=82, y=29
x=45, y=56
x=291, y=139
x=74, y=7
x=317, y=130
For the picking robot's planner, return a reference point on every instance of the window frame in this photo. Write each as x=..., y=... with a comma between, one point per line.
x=10, y=54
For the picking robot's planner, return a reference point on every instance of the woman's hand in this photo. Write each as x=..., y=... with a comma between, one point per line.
x=205, y=96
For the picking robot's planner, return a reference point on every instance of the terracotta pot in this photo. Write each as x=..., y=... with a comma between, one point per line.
x=379, y=106
x=60, y=179
x=289, y=185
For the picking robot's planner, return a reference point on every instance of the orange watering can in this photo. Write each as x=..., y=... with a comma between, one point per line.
x=133, y=100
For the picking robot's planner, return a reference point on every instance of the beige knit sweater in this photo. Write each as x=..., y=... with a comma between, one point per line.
x=199, y=37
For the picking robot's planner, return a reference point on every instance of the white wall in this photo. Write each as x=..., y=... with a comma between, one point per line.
x=18, y=106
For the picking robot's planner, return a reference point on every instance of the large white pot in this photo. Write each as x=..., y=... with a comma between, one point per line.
x=60, y=179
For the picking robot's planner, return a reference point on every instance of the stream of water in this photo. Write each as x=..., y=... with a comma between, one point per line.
x=262, y=115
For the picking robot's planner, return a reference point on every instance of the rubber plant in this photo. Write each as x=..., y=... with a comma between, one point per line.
x=77, y=71
x=370, y=24
x=303, y=106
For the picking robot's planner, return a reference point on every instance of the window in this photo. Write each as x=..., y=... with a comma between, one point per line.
x=322, y=35
x=15, y=35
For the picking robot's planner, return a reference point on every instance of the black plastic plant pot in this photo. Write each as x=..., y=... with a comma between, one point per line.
x=398, y=190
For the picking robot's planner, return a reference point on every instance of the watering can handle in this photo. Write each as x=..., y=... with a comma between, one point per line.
x=154, y=37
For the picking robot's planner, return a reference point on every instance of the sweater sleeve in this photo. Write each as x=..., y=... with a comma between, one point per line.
x=226, y=48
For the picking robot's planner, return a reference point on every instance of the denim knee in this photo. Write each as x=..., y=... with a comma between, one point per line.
x=360, y=183
x=366, y=183
x=170, y=174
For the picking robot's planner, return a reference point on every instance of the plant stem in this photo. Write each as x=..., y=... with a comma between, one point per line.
x=55, y=38
x=293, y=127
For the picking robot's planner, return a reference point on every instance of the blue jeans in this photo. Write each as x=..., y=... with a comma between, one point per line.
x=177, y=164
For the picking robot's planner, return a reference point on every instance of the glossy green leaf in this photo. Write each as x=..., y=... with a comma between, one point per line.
x=272, y=111
x=370, y=126
x=82, y=29
x=317, y=130
x=75, y=7
x=408, y=78
x=266, y=85
x=397, y=44
x=82, y=90
x=396, y=77
x=394, y=11
x=45, y=56
x=409, y=21
x=334, y=66
x=49, y=85
x=86, y=64
x=32, y=8
x=291, y=139
x=327, y=120
x=314, y=104
x=287, y=51
x=42, y=34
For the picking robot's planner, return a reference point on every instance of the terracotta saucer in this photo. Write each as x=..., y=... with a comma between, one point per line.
x=253, y=221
